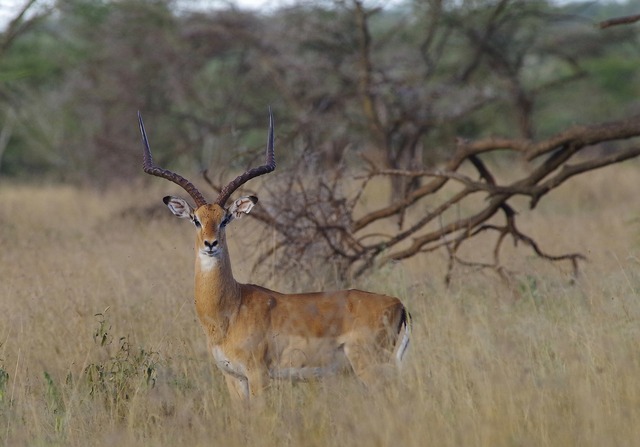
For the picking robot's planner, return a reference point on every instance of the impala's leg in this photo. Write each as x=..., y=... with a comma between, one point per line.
x=238, y=388
x=366, y=363
x=258, y=382
x=371, y=355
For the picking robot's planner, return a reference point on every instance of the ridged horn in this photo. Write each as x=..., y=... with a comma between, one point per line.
x=270, y=165
x=150, y=168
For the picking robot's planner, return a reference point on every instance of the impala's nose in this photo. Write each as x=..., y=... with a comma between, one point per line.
x=211, y=245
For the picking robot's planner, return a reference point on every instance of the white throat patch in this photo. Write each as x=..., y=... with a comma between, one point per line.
x=207, y=262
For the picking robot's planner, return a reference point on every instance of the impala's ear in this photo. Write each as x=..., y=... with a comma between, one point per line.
x=241, y=206
x=179, y=207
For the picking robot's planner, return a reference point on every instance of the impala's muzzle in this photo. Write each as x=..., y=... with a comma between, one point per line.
x=210, y=248
x=210, y=252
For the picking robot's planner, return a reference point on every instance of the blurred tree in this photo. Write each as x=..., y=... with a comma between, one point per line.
x=345, y=77
x=352, y=83
x=398, y=85
x=27, y=17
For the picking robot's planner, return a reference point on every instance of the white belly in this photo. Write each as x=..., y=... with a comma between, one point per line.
x=306, y=372
x=304, y=358
x=295, y=358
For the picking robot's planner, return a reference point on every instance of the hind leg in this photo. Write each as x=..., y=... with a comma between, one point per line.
x=238, y=388
x=370, y=365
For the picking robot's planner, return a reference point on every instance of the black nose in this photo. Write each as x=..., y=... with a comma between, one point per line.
x=211, y=244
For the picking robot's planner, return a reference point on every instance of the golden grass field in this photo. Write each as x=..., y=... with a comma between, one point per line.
x=99, y=343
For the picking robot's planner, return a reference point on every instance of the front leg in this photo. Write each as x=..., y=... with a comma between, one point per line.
x=243, y=389
x=238, y=388
x=258, y=381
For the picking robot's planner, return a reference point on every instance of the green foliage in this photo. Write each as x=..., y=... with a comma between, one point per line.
x=528, y=288
x=55, y=401
x=617, y=76
x=124, y=372
x=90, y=13
x=4, y=381
x=37, y=60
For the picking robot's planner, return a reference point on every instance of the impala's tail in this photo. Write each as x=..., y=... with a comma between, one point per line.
x=404, y=333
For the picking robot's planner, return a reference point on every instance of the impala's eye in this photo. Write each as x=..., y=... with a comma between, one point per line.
x=196, y=222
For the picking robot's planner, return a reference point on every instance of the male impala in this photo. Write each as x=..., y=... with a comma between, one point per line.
x=256, y=334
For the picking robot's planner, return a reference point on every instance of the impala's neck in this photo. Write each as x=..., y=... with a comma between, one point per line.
x=217, y=294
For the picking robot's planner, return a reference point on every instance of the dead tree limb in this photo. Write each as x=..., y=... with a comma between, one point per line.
x=314, y=214
x=619, y=21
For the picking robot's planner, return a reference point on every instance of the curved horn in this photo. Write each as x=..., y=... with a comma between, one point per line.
x=150, y=168
x=270, y=165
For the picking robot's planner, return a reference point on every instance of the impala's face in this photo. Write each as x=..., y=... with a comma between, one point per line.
x=210, y=221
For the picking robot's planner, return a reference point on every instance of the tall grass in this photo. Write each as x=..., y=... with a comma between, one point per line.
x=99, y=343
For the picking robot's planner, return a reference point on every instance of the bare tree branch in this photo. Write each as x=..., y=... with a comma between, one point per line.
x=21, y=24
x=619, y=21
x=318, y=218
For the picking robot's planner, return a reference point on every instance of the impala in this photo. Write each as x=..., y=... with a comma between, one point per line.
x=256, y=334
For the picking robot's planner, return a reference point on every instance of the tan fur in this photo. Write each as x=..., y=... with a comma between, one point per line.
x=256, y=334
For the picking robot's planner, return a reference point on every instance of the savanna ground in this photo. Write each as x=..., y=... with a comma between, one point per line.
x=99, y=343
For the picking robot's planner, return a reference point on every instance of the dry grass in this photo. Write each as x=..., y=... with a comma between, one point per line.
x=540, y=363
